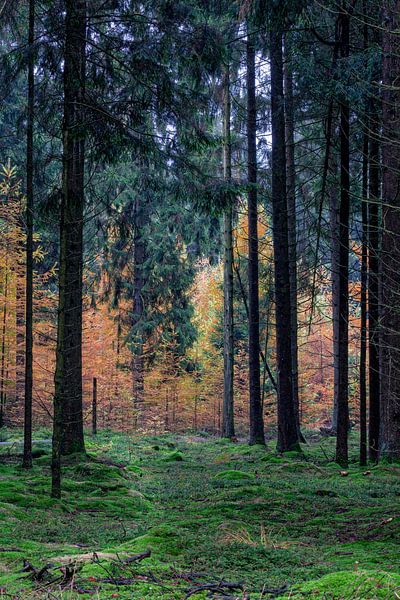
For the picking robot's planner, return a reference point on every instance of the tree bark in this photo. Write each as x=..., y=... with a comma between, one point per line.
x=256, y=413
x=3, y=350
x=94, y=406
x=27, y=456
x=68, y=411
x=344, y=212
x=292, y=228
x=288, y=431
x=139, y=256
x=389, y=442
x=228, y=425
x=363, y=304
x=335, y=250
x=373, y=284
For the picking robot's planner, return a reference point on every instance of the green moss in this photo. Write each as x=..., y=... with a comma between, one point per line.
x=261, y=519
x=234, y=475
x=350, y=585
x=175, y=455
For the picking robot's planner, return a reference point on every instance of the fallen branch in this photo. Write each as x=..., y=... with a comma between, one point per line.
x=136, y=557
x=34, y=573
x=216, y=588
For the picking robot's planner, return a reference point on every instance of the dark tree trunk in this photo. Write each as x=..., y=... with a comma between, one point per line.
x=256, y=413
x=344, y=212
x=335, y=250
x=94, y=407
x=363, y=303
x=68, y=411
x=3, y=351
x=373, y=285
x=139, y=256
x=288, y=431
x=27, y=456
x=228, y=425
x=292, y=228
x=389, y=439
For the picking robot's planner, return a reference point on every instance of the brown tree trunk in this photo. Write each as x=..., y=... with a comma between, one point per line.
x=68, y=410
x=27, y=456
x=389, y=441
x=288, y=431
x=228, y=425
x=256, y=413
x=344, y=212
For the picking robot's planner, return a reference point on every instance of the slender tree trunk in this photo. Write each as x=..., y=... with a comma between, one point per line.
x=344, y=213
x=335, y=251
x=94, y=406
x=256, y=413
x=373, y=285
x=228, y=426
x=363, y=303
x=389, y=439
x=68, y=410
x=288, y=433
x=292, y=228
x=3, y=351
x=166, y=412
x=139, y=256
x=27, y=457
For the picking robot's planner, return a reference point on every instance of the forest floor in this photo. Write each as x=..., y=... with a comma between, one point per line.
x=211, y=513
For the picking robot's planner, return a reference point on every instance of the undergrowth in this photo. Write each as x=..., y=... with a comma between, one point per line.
x=209, y=511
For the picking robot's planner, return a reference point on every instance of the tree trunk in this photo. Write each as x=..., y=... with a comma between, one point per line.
x=228, y=426
x=256, y=413
x=139, y=255
x=27, y=457
x=288, y=433
x=363, y=303
x=344, y=212
x=335, y=250
x=3, y=350
x=94, y=407
x=389, y=442
x=68, y=411
x=292, y=228
x=373, y=285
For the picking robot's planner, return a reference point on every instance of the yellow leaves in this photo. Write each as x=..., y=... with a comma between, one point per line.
x=38, y=254
x=7, y=171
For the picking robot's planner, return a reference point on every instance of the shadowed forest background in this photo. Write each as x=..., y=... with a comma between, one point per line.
x=199, y=256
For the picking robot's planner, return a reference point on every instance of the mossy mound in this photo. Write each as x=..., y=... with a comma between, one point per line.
x=175, y=455
x=350, y=585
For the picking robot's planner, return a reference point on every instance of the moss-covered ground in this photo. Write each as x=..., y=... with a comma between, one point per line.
x=210, y=511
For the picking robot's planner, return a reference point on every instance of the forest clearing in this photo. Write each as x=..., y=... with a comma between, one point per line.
x=200, y=299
